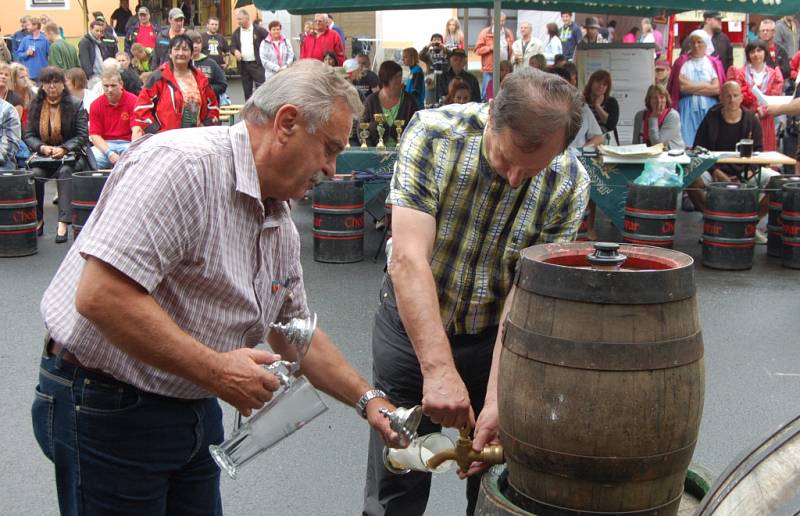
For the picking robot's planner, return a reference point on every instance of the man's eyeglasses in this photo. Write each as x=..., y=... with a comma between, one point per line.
x=52, y=84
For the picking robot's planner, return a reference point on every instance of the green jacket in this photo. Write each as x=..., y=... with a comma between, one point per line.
x=63, y=55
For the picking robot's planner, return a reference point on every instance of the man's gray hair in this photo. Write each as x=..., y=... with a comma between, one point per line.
x=243, y=12
x=534, y=105
x=311, y=86
x=110, y=73
x=766, y=22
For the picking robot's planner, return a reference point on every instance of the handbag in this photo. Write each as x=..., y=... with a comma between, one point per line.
x=50, y=163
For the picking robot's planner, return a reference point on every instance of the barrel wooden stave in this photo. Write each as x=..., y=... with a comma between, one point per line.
x=764, y=480
x=568, y=452
x=496, y=499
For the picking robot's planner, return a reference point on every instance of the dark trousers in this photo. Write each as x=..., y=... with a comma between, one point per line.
x=63, y=177
x=252, y=76
x=396, y=371
x=118, y=450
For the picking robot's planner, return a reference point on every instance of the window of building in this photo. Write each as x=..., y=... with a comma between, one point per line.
x=479, y=19
x=48, y=4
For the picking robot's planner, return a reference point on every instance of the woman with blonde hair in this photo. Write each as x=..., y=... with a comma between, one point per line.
x=453, y=35
x=22, y=85
x=415, y=84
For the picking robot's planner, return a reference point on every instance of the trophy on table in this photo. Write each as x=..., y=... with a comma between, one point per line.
x=363, y=134
x=398, y=125
x=380, y=120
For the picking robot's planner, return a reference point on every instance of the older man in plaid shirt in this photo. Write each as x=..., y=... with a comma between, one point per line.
x=474, y=185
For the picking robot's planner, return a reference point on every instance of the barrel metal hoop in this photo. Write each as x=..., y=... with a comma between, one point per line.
x=730, y=218
x=643, y=215
x=603, y=469
x=793, y=218
x=644, y=238
x=603, y=356
x=534, y=506
x=332, y=211
x=728, y=242
x=744, y=464
x=17, y=206
x=589, y=286
x=17, y=202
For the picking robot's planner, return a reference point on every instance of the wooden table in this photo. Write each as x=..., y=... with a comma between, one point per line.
x=228, y=113
x=757, y=160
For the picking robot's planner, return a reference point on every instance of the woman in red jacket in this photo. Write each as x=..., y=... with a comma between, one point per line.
x=756, y=74
x=176, y=95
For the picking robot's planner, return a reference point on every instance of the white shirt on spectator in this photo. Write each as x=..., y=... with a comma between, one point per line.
x=246, y=38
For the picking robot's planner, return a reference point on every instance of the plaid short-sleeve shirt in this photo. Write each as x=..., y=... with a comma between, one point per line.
x=482, y=223
x=182, y=216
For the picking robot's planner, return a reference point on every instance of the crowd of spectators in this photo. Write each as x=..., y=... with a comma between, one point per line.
x=170, y=77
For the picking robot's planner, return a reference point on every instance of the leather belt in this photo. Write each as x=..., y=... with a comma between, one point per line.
x=55, y=348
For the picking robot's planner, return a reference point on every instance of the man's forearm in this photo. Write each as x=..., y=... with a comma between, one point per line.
x=326, y=368
x=132, y=321
x=418, y=305
x=792, y=108
x=99, y=142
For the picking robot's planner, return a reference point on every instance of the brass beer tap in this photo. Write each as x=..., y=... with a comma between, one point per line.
x=464, y=455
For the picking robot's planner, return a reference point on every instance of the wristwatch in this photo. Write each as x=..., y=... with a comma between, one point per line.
x=361, y=406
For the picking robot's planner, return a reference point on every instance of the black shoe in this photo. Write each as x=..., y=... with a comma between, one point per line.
x=40, y=228
x=60, y=239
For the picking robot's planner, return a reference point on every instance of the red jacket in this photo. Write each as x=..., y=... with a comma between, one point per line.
x=160, y=103
x=315, y=45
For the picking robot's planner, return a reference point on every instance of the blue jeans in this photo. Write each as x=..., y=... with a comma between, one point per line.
x=118, y=146
x=119, y=450
x=487, y=76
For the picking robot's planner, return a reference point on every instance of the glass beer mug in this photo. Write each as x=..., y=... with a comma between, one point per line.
x=294, y=406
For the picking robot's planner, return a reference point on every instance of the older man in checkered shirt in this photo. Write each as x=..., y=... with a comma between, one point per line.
x=188, y=257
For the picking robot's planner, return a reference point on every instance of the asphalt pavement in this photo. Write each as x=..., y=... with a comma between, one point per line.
x=752, y=354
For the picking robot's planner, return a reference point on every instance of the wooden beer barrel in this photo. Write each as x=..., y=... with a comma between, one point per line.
x=338, y=208
x=765, y=480
x=774, y=225
x=790, y=219
x=493, y=497
x=650, y=213
x=601, y=380
x=729, y=226
x=86, y=189
x=17, y=214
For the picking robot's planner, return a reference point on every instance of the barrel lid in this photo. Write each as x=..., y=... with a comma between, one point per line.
x=649, y=274
x=792, y=186
x=92, y=174
x=15, y=173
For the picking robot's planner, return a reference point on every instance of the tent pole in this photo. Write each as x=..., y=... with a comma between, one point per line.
x=496, y=47
x=466, y=32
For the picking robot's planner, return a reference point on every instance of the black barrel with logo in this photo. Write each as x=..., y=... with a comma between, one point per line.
x=729, y=226
x=17, y=214
x=86, y=190
x=791, y=225
x=338, y=208
x=774, y=224
x=650, y=213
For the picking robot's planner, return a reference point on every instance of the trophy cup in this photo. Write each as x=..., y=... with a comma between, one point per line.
x=294, y=406
x=380, y=120
x=363, y=134
x=398, y=125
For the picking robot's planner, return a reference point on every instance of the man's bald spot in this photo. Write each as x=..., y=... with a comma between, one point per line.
x=732, y=85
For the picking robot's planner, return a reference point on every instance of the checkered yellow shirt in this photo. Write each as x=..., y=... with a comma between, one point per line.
x=482, y=223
